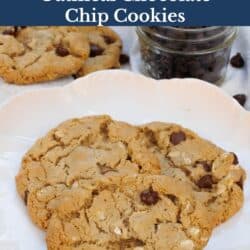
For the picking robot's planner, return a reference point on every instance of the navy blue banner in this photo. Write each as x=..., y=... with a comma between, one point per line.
x=125, y=12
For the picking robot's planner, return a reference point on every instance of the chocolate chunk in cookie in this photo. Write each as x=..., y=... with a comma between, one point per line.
x=205, y=182
x=149, y=197
x=62, y=51
x=95, y=50
x=177, y=137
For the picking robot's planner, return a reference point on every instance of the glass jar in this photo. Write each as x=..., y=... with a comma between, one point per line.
x=175, y=52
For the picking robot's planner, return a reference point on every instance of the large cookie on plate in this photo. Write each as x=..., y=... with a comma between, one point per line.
x=134, y=212
x=214, y=173
x=80, y=149
x=36, y=54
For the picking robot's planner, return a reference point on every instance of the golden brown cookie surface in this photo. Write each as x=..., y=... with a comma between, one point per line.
x=94, y=148
x=105, y=50
x=142, y=212
x=80, y=149
x=186, y=156
x=36, y=54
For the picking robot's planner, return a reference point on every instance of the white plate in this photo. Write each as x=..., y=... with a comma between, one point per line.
x=129, y=97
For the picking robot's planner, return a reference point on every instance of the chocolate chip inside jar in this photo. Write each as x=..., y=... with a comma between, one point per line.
x=173, y=52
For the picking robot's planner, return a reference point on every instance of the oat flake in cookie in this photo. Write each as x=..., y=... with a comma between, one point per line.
x=112, y=214
x=36, y=54
x=79, y=149
x=215, y=174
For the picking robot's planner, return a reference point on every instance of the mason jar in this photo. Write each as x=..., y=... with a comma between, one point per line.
x=186, y=52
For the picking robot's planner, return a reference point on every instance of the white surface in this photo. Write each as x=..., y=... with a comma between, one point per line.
x=131, y=98
x=238, y=80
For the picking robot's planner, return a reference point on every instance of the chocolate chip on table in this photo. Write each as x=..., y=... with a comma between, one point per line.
x=207, y=167
x=95, y=50
x=237, y=61
x=124, y=59
x=205, y=182
x=177, y=137
x=62, y=51
x=149, y=197
x=241, y=99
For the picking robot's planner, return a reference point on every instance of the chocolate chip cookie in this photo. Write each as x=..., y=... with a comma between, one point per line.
x=214, y=173
x=80, y=149
x=133, y=212
x=36, y=54
x=94, y=148
x=105, y=50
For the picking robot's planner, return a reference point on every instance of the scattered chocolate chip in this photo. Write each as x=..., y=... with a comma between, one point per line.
x=240, y=183
x=207, y=167
x=149, y=197
x=235, y=161
x=241, y=99
x=23, y=27
x=177, y=137
x=61, y=51
x=124, y=59
x=205, y=182
x=95, y=50
x=108, y=39
x=237, y=61
x=25, y=199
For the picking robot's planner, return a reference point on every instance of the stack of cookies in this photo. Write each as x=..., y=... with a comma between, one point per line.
x=36, y=54
x=98, y=184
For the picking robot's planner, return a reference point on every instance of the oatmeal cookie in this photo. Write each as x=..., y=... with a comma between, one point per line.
x=36, y=54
